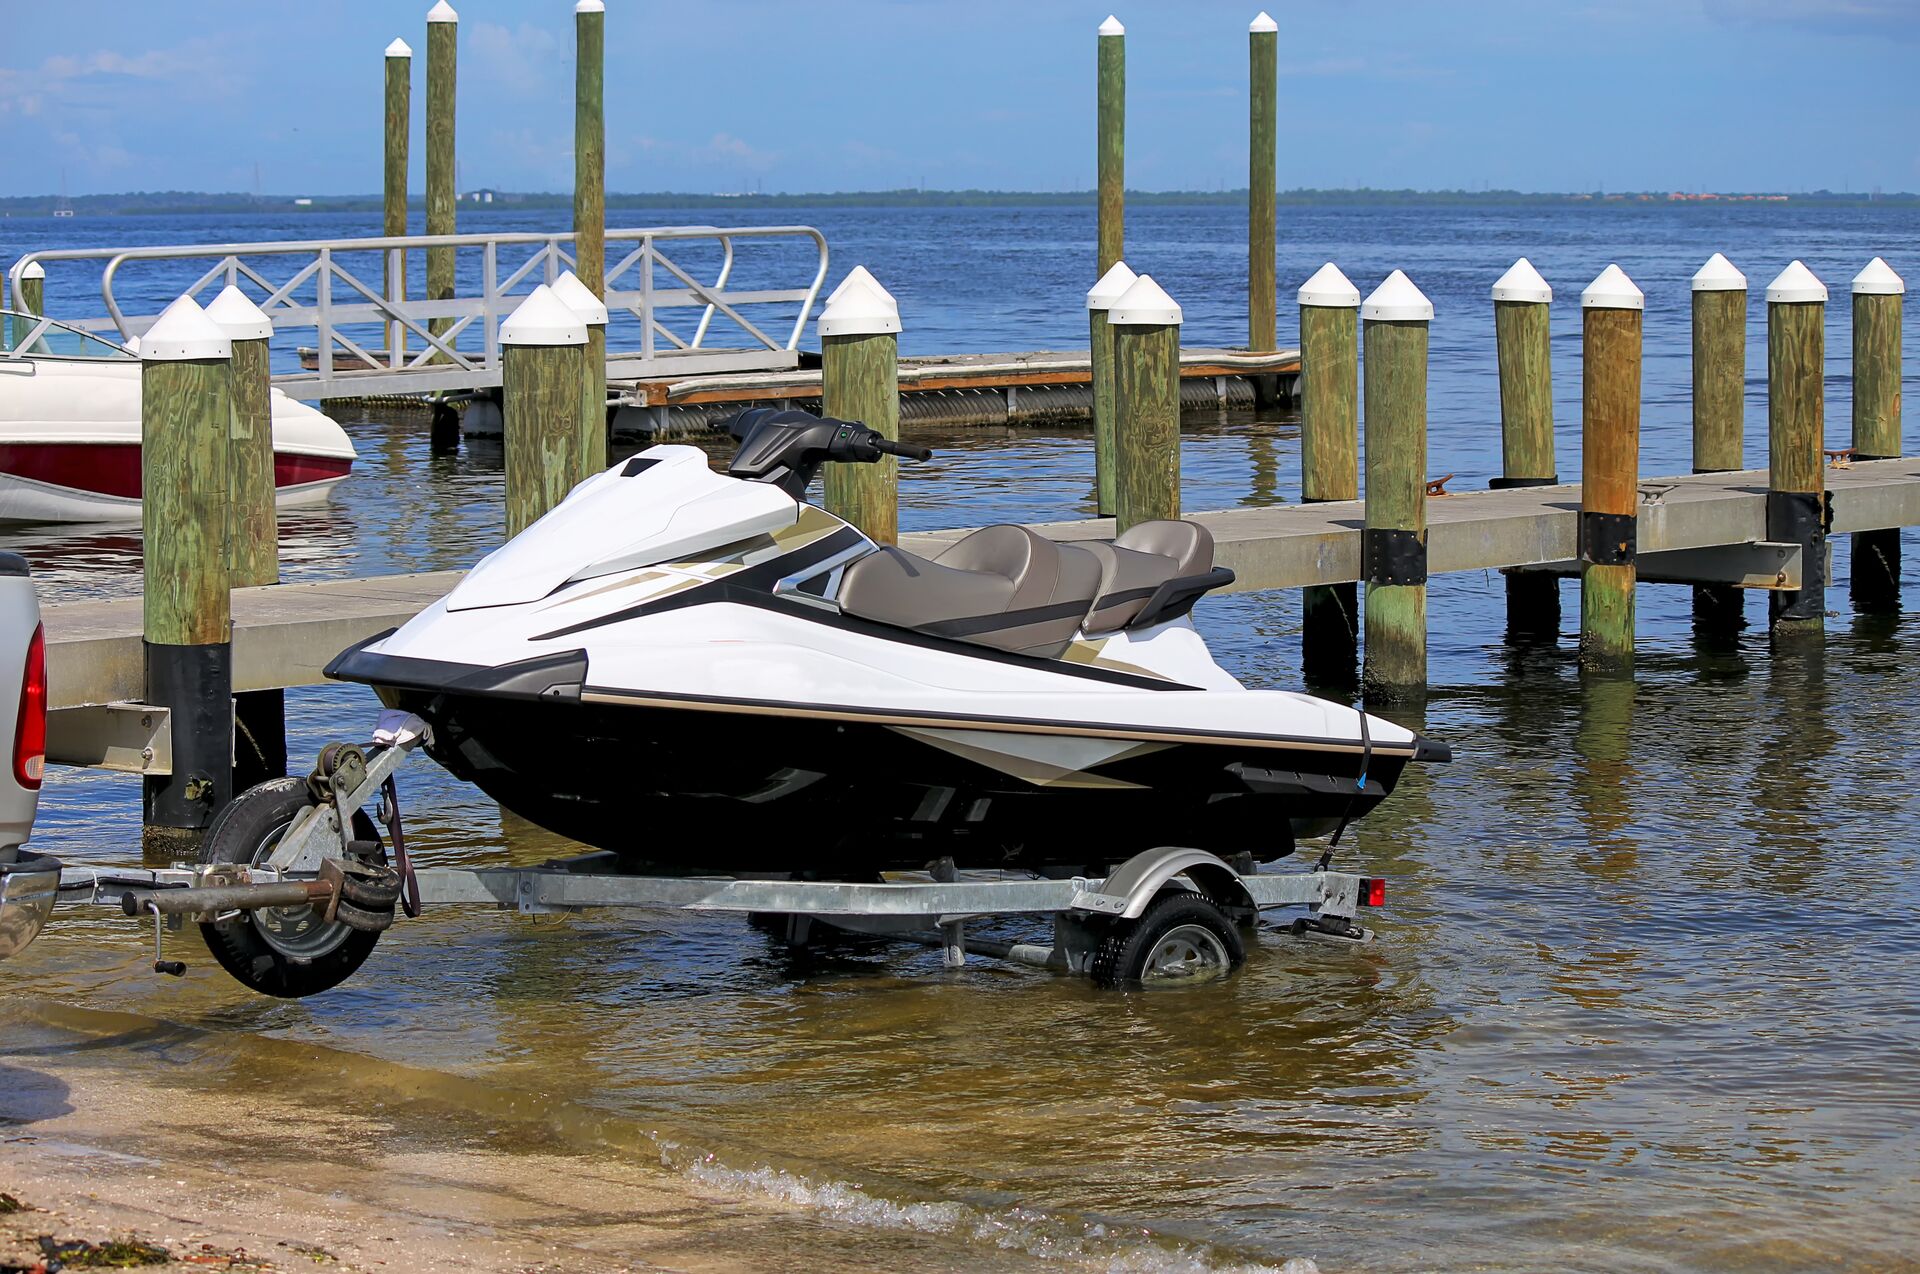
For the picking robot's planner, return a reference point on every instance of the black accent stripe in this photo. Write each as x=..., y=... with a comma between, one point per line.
x=752, y=587
x=967, y=625
x=639, y=464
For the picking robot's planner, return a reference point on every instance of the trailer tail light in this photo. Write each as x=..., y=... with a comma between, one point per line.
x=30, y=728
x=1373, y=892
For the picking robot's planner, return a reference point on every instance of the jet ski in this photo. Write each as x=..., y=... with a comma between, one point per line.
x=706, y=674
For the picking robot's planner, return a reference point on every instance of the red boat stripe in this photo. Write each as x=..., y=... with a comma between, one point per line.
x=113, y=469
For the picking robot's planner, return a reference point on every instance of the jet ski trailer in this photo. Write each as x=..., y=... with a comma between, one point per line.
x=296, y=885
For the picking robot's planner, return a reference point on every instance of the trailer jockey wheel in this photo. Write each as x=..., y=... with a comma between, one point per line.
x=292, y=951
x=1181, y=939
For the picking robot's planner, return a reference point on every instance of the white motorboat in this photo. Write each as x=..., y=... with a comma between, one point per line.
x=70, y=430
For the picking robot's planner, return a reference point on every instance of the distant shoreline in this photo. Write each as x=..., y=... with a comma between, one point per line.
x=189, y=203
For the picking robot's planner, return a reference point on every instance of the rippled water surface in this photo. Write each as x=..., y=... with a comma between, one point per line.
x=1644, y=996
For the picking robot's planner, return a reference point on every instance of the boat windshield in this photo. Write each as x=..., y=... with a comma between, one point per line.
x=24, y=335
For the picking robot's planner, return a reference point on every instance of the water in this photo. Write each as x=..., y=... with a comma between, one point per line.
x=1645, y=990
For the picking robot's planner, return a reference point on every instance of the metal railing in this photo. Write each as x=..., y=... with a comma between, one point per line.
x=338, y=289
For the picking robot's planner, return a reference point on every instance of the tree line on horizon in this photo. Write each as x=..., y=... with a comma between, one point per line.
x=177, y=202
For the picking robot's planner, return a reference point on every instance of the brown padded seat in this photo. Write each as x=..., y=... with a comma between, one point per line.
x=1189, y=544
x=1002, y=586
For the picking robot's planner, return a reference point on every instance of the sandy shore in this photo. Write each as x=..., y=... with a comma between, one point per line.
x=307, y=1177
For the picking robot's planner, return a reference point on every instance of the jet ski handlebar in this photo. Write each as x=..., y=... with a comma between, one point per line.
x=785, y=448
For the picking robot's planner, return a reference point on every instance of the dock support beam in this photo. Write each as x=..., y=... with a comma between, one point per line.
x=1395, y=319
x=1521, y=306
x=542, y=356
x=443, y=31
x=1146, y=362
x=1796, y=428
x=1263, y=131
x=860, y=381
x=29, y=297
x=1329, y=462
x=1611, y=310
x=592, y=451
x=1111, y=144
x=1719, y=413
x=590, y=210
x=253, y=537
x=1878, y=294
x=186, y=406
x=1100, y=299
x=394, y=182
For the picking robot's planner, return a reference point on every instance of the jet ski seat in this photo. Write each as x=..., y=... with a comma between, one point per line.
x=1001, y=586
x=1006, y=587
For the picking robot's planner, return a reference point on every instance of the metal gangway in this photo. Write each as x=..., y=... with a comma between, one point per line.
x=348, y=324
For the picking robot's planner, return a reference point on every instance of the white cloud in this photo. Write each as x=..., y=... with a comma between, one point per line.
x=520, y=62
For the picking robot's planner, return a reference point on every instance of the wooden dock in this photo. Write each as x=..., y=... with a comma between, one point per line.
x=283, y=635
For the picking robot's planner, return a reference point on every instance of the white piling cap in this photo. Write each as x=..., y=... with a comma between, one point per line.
x=399, y=49
x=580, y=299
x=1613, y=290
x=1144, y=304
x=1719, y=275
x=1262, y=23
x=1398, y=301
x=1878, y=279
x=442, y=12
x=543, y=319
x=590, y=6
x=861, y=277
x=183, y=332
x=1111, y=287
x=1522, y=282
x=1796, y=284
x=1112, y=26
x=31, y=270
x=860, y=307
x=238, y=316
x=1329, y=288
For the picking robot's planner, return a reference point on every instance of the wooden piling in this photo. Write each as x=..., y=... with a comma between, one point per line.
x=1719, y=413
x=1878, y=294
x=394, y=178
x=1100, y=298
x=253, y=529
x=543, y=356
x=1611, y=309
x=1796, y=432
x=1522, y=303
x=186, y=406
x=1330, y=461
x=1111, y=143
x=1394, y=323
x=593, y=445
x=590, y=214
x=1146, y=397
x=860, y=381
x=443, y=31
x=1263, y=131
x=29, y=297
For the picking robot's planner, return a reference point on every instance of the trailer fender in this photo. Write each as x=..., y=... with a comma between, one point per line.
x=1138, y=881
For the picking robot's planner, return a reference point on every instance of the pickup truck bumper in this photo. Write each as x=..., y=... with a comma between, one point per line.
x=27, y=890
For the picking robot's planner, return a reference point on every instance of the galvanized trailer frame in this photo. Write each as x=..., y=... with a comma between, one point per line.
x=915, y=906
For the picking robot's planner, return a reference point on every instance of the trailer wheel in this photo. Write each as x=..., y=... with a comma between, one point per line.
x=287, y=952
x=1180, y=939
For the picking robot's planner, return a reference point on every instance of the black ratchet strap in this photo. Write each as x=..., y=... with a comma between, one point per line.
x=1359, y=786
x=410, y=884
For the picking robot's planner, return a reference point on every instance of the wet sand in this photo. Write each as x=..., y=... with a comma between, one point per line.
x=115, y=1134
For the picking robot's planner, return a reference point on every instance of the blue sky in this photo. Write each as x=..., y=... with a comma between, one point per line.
x=866, y=94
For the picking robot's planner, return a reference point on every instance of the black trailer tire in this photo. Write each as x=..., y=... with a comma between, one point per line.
x=1180, y=939
x=286, y=952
